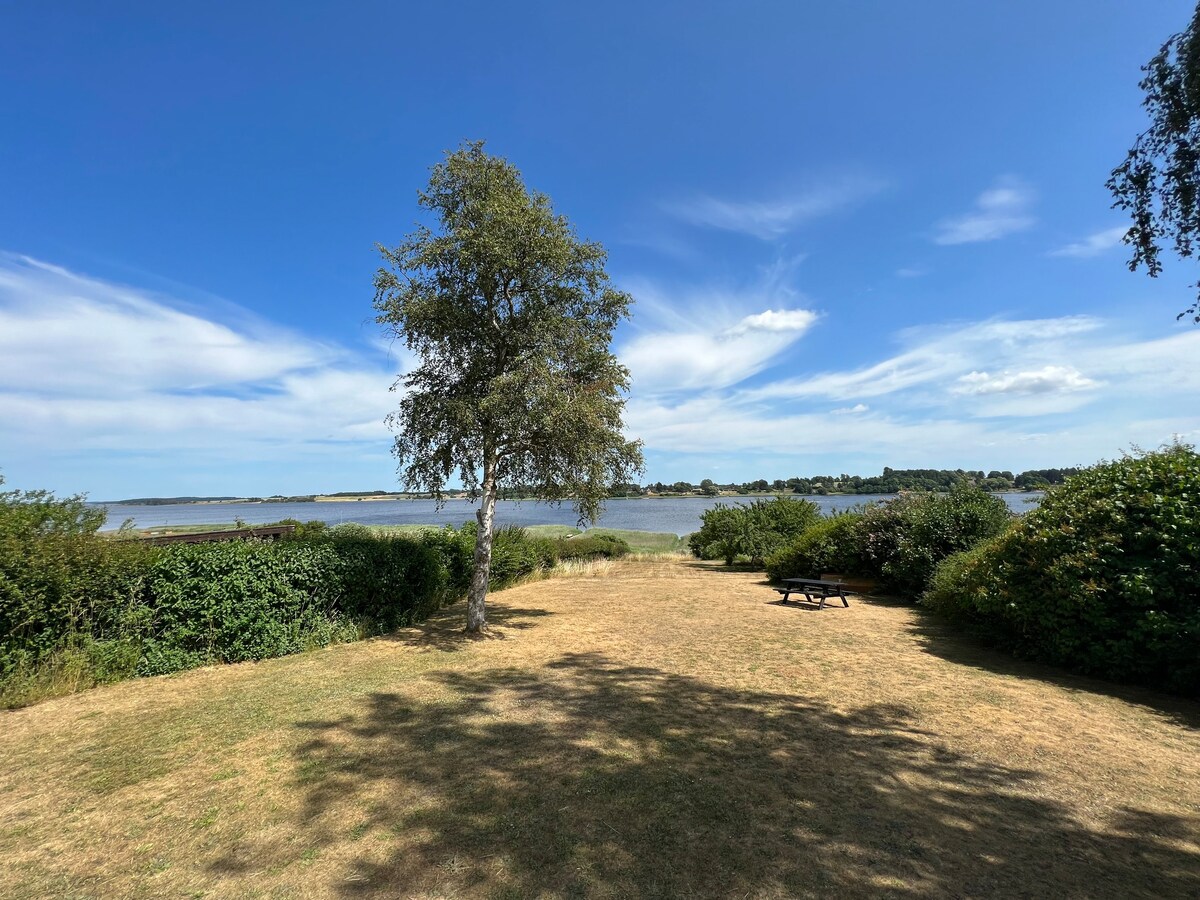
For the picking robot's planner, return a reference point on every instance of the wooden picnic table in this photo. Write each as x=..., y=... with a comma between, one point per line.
x=810, y=587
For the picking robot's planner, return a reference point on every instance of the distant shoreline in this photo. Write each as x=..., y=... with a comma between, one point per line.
x=330, y=498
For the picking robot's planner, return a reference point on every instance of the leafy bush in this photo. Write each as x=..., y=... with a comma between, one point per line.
x=78, y=608
x=830, y=545
x=955, y=583
x=593, y=546
x=755, y=531
x=1103, y=577
x=456, y=550
x=237, y=600
x=776, y=522
x=902, y=541
x=58, y=578
x=515, y=555
x=305, y=531
x=387, y=580
x=720, y=534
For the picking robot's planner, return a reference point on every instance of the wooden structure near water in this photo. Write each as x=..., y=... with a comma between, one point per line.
x=264, y=532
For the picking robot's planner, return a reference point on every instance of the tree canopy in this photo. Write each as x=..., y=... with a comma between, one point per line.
x=1159, y=181
x=510, y=316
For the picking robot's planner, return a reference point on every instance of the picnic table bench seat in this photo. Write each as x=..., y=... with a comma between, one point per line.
x=813, y=587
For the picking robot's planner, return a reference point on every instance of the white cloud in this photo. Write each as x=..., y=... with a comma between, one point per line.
x=100, y=375
x=61, y=331
x=911, y=272
x=87, y=364
x=712, y=424
x=778, y=321
x=940, y=355
x=702, y=338
x=1046, y=380
x=694, y=359
x=769, y=219
x=998, y=212
x=1094, y=244
x=722, y=425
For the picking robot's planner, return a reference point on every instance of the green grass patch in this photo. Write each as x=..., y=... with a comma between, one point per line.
x=645, y=541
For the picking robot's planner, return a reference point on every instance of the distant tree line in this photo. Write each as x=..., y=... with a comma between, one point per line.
x=892, y=481
x=170, y=501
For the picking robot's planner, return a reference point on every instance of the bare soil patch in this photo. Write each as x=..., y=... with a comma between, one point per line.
x=658, y=728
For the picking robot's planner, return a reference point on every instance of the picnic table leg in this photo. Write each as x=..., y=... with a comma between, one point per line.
x=821, y=605
x=845, y=602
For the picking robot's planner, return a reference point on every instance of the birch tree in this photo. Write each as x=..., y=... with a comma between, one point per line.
x=1158, y=184
x=509, y=316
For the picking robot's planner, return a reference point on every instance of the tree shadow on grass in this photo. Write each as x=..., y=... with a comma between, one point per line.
x=950, y=642
x=446, y=629
x=594, y=779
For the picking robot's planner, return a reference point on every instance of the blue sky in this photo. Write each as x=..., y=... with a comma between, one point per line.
x=859, y=234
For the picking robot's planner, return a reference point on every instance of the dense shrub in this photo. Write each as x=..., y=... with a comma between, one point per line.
x=830, y=545
x=456, y=549
x=593, y=546
x=754, y=532
x=237, y=600
x=78, y=608
x=720, y=534
x=387, y=580
x=57, y=578
x=305, y=531
x=903, y=540
x=515, y=554
x=1103, y=577
x=775, y=523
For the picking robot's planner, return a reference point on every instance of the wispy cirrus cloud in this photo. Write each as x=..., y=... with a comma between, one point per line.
x=709, y=337
x=104, y=377
x=943, y=355
x=110, y=338
x=1069, y=389
x=1093, y=244
x=998, y=212
x=695, y=358
x=92, y=365
x=1046, y=380
x=772, y=218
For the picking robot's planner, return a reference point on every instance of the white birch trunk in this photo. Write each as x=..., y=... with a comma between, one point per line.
x=485, y=516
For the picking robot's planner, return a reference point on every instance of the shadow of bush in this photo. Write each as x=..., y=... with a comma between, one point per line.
x=949, y=641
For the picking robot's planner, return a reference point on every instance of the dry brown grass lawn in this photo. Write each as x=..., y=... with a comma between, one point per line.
x=666, y=730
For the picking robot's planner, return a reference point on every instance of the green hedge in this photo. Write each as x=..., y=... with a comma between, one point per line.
x=515, y=555
x=77, y=608
x=58, y=580
x=1103, y=577
x=831, y=545
x=386, y=581
x=235, y=601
